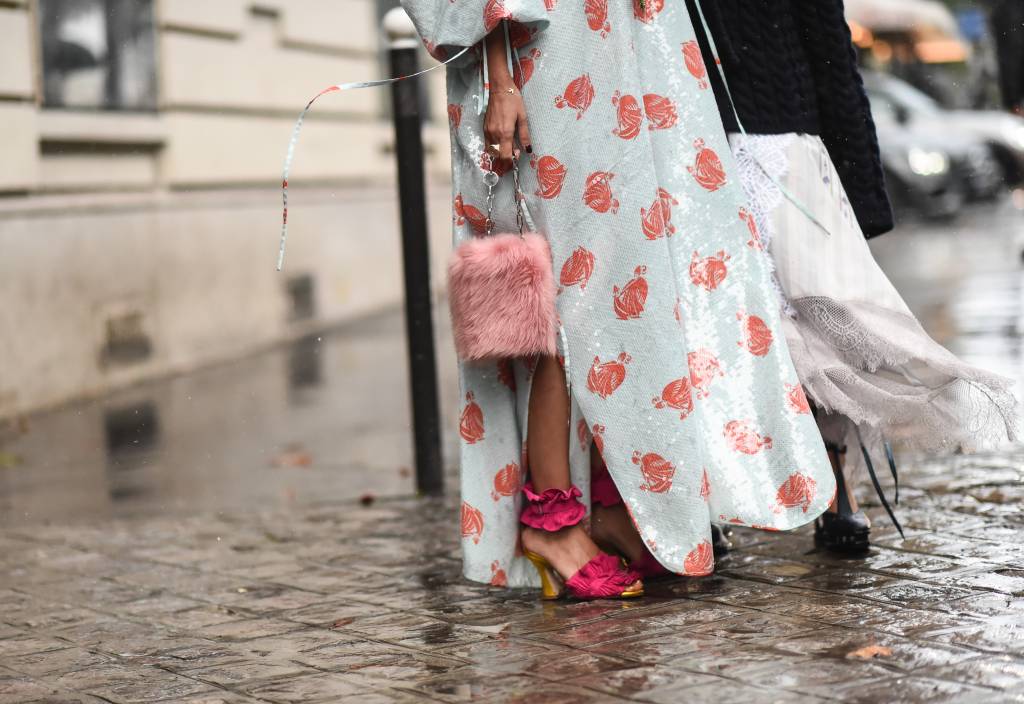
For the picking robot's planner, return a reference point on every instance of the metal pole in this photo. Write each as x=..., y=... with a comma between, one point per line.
x=403, y=48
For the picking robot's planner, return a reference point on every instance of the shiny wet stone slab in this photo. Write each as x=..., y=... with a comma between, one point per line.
x=183, y=617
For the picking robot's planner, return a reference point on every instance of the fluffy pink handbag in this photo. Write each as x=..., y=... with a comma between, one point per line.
x=501, y=291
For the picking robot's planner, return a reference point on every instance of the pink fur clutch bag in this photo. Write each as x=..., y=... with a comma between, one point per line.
x=501, y=292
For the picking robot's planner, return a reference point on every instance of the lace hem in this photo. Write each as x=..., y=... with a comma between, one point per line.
x=762, y=162
x=882, y=370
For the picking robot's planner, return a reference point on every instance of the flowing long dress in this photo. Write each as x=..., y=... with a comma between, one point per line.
x=860, y=353
x=677, y=366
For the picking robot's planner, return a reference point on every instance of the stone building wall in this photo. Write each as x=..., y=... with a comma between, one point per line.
x=136, y=244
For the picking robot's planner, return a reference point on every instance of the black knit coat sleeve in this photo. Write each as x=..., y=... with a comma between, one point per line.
x=847, y=128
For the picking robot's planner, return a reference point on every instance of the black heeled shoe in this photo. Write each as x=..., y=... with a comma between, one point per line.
x=845, y=531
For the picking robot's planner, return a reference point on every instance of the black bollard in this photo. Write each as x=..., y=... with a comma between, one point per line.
x=416, y=263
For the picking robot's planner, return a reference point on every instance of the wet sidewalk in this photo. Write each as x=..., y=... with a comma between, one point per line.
x=365, y=603
x=246, y=534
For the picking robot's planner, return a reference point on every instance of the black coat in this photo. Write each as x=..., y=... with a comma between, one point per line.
x=1008, y=29
x=791, y=67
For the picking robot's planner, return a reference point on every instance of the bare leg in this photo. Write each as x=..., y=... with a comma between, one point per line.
x=614, y=531
x=547, y=449
x=610, y=526
x=547, y=442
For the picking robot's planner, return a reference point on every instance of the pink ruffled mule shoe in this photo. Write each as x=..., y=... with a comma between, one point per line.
x=603, y=577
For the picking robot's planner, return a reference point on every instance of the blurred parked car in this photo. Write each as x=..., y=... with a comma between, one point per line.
x=918, y=168
x=1001, y=132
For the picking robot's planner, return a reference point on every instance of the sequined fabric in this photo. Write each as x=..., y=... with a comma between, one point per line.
x=676, y=362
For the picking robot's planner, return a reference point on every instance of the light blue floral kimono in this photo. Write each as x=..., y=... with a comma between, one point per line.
x=677, y=368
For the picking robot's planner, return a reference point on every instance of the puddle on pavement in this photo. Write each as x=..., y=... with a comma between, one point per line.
x=326, y=418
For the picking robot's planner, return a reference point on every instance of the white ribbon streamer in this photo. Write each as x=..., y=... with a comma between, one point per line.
x=290, y=154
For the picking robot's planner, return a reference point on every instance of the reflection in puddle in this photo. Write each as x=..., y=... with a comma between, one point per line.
x=210, y=440
x=305, y=366
x=132, y=436
x=130, y=431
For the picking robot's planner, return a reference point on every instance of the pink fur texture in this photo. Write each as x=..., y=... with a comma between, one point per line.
x=501, y=291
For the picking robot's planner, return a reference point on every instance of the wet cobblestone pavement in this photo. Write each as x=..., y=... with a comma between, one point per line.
x=201, y=539
x=366, y=602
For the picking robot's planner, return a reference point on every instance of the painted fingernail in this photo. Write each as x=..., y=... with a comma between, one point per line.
x=529, y=149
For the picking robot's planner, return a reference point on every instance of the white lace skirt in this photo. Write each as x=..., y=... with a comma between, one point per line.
x=858, y=350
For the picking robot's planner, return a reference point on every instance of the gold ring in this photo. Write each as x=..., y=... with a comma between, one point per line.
x=494, y=147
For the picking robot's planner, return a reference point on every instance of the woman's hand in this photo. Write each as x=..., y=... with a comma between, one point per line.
x=505, y=119
x=504, y=122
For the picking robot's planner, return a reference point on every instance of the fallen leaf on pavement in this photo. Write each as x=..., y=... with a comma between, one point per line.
x=870, y=651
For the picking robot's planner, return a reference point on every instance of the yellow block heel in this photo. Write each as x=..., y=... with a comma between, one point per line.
x=632, y=594
x=551, y=583
x=553, y=586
